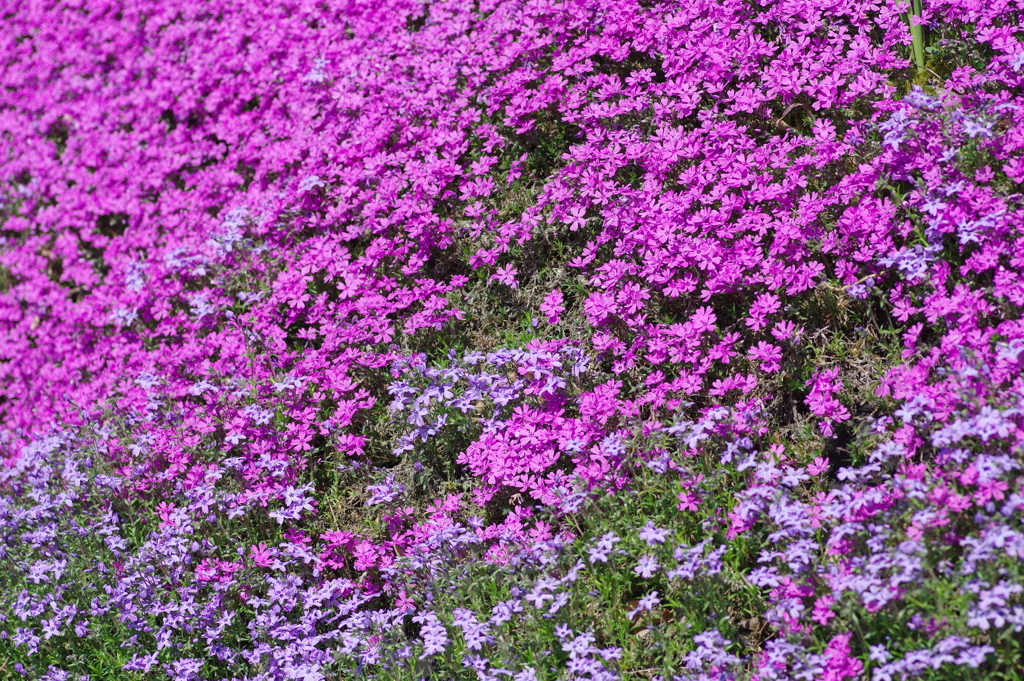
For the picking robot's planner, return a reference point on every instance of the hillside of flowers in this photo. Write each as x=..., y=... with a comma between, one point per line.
x=512, y=340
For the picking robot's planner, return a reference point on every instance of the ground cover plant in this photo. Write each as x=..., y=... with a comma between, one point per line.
x=512, y=339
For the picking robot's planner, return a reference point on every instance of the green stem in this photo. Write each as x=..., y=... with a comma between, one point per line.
x=916, y=32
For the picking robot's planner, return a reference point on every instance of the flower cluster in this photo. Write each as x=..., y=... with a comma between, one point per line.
x=268, y=409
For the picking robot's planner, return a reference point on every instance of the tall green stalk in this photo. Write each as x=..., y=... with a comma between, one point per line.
x=916, y=32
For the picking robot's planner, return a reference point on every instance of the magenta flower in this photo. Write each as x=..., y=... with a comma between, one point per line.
x=506, y=275
x=552, y=306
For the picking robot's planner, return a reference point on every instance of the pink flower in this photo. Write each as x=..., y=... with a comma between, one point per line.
x=576, y=218
x=766, y=304
x=206, y=571
x=823, y=610
x=688, y=501
x=841, y=665
x=164, y=510
x=597, y=308
x=261, y=555
x=785, y=330
x=506, y=275
x=552, y=306
x=990, y=489
x=769, y=356
x=819, y=466
x=703, y=319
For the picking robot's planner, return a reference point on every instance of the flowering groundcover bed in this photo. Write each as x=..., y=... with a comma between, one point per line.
x=511, y=339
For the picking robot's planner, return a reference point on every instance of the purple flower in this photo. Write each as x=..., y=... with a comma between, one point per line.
x=503, y=611
x=476, y=634
x=653, y=535
x=646, y=566
x=432, y=632
x=601, y=550
x=384, y=492
x=645, y=604
x=55, y=674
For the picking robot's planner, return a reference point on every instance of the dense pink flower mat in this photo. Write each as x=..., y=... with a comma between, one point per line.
x=526, y=339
